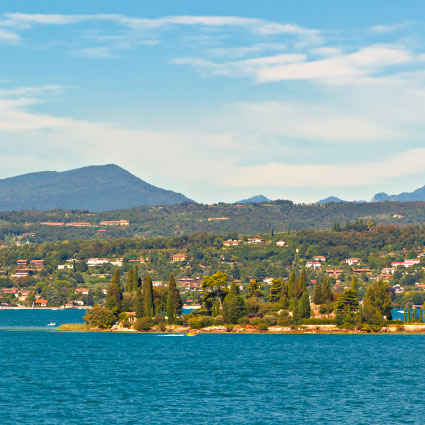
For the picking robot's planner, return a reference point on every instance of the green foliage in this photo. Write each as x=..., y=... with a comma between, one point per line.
x=129, y=281
x=318, y=295
x=378, y=295
x=254, y=290
x=347, y=307
x=304, y=306
x=175, y=295
x=233, y=306
x=99, y=317
x=114, y=295
x=147, y=294
x=143, y=324
x=372, y=317
x=199, y=322
x=276, y=290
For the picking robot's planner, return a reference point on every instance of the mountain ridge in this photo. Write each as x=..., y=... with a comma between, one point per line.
x=93, y=188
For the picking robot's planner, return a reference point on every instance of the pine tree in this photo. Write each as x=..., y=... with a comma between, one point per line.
x=284, y=296
x=147, y=294
x=304, y=306
x=254, y=290
x=236, y=273
x=291, y=283
x=275, y=291
x=140, y=311
x=114, y=295
x=215, y=311
x=303, y=282
x=129, y=281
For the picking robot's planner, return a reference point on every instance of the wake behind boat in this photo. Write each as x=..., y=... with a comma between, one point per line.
x=51, y=324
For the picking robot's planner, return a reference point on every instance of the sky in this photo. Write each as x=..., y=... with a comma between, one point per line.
x=219, y=100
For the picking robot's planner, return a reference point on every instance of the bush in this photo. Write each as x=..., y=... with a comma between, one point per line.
x=218, y=321
x=270, y=320
x=199, y=322
x=284, y=319
x=143, y=324
x=229, y=328
x=313, y=321
x=243, y=320
x=267, y=308
x=325, y=309
x=262, y=326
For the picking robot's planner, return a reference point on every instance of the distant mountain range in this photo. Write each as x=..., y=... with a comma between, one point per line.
x=417, y=195
x=328, y=200
x=257, y=199
x=93, y=188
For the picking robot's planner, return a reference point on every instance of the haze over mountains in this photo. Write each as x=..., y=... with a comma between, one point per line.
x=94, y=188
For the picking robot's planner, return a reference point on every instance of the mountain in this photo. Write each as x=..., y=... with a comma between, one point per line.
x=417, y=195
x=257, y=199
x=328, y=200
x=93, y=188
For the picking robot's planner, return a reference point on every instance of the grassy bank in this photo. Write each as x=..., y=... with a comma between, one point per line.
x=73, y=327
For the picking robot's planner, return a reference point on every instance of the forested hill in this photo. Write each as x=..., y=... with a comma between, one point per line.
x=95, y=188
x=186, y=218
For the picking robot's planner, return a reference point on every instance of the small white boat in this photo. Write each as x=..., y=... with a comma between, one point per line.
x=51, y=324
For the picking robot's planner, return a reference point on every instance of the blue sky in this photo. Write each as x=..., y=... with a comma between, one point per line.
x=219, y=100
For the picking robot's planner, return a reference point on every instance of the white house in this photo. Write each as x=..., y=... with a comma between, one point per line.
x=352, y=261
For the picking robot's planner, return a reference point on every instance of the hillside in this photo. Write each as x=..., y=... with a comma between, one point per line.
x=253, y=199
x=184, y=219
x=94, y=188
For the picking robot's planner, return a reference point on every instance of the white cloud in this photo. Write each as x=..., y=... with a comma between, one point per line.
x=9, y=36
x=329, y=175
x=386, y=29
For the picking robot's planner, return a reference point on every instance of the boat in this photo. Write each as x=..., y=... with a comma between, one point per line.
x=51, y=324
x=193, y=333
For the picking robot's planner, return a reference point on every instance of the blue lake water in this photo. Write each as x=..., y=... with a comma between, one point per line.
x=50, y=377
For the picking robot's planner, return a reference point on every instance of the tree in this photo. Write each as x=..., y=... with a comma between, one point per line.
x=326, y=290
x=233, y=306
x=347, y=308
x=304, y=306
x=99, y=317
x=284, y=296
x=147, y=293
x=275, y=291
x=140, y=310
x=136, y=278
x=175, y=295
x=114, y=295
x=317, y=294
x=214, y=286
x=378, y=295
x=215, y=311
x=254, y=290
x=236, y=273
x=129, y=281
x=171, y=312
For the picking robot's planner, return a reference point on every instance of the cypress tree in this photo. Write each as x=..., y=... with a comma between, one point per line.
x=136, y=280
x=291, y=283
x=175, y=294
x=171, y=313
x=140, y=311
x=114, y=295
x=317, y=294
x=284, y=296
x=215, y=311
x=303, y=281
x=275, y=291
x=304, y=306
x=129, y=281
x=326, y=290
x=147, y=293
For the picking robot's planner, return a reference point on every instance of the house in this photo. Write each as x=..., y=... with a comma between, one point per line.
x=319, y=258
x=41, y=302
x=313, y=265
x=398, y=216
x=388, y=271
x=51, y=223
x=398, y=289
x=104, y=291
x=411, y=262
x=117, y=262
x=217, y=218
x=268, y=280
x=255, y=241
x=23, y=272
x=334, y=272
x=65, y=266
x=139, y=260
x=115, y=223
x=78, y=224
x=280, y=243
x=82, y=291
x=158, y=284
x=10, y=291
x=231, y=242
x=396, y=264
x=352, y=261
x=37, y=264
x=20, y=264
x=94, y=262
x=131, y=316
x=367, y=272
x=178, y=257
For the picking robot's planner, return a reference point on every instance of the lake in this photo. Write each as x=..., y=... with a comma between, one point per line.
x=50, y=377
